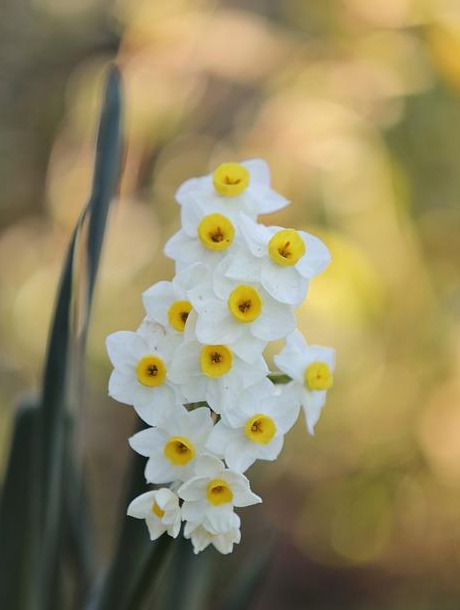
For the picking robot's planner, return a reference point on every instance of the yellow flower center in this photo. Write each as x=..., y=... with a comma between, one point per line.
x=245, y=303
x=178, y=314
x=216, y=360
x=156, y=510
x=286, y=247
x=219, y=492
x=318, y=376
x=260, y=429
x=179, y=451
x=231, y=179
x=216, y=232
x=151, y=371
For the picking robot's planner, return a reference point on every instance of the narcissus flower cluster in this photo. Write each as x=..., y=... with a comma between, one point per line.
x=194, y=370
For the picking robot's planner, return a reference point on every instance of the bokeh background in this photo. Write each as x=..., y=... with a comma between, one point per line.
x=356, y=106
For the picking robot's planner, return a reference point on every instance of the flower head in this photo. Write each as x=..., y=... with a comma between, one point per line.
x=254, y=427
x=282, y=260
x=212, y=494
x=167, y=302
x=140, y=376
x=235, y=187
x=214, y=373
x=204, y=237
x=201, y=538
x=174, y=445
x=241, y=315
x=161, y=511
x=311, y=368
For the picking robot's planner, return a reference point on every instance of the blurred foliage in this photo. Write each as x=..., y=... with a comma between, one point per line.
x=355, y=105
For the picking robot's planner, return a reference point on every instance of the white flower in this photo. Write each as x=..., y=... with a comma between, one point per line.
x=205, y=237
x=239, y=187
x=213, y=373
x=161, y=511
x=211, y=495
x=282, y=260
x=140, y=377
x=311, y=368
x=167, y=302
x=254, y=427
x=173, y=446
x=241, y=315
x=201, y=538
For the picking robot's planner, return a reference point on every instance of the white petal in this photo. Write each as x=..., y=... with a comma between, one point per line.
x=256, y=236
x=141, y=505
x=313, y=405
x=317, y=256
x=243, y=266
x=220, y=519
x=152, y=404
x=271, y=201
x=259, y=172
x=220, y=437
x=216, y=325
x=248, y=347
x=182, y=248
x=208, y=466
x=242, y=494
x=276, y=321
x=194, y=511
x=124, y=348
x=147, y=441
x=123, y=387
x=271, y=450
x=239, y=454
x=158, y=470
x=189, y=278
x=194, y=489
x=157, y=301
x=185, y=364
x=285, y=284
x=155, y=526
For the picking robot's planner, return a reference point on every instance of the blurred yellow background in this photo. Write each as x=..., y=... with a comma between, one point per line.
x=355, y=104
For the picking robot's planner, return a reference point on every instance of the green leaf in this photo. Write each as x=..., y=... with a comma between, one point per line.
x=248, y=580
x=18, y=517
x=63, y=368
x=137, y=559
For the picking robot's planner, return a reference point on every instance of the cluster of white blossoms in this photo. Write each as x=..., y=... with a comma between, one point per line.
x=194, y=371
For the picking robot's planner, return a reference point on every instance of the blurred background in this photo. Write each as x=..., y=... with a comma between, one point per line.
x=356, y=107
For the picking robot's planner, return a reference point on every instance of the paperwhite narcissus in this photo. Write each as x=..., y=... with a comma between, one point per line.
x=204, y=237
x=240, y=187
x=213, y=373
x=167, y=303
x=201, y=538
x=140, y=376
x=241, y=315
x=161, y=511
x=195, y=368
x=311, y=369
x=254, y=427
x=211, y=495
x=174, y=445
x=282, y=260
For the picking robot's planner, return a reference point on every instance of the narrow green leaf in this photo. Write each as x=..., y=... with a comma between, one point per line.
x=248, y=580
x=18, y=522
x=62, y=376
x=193, y=572
x=137, y=559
